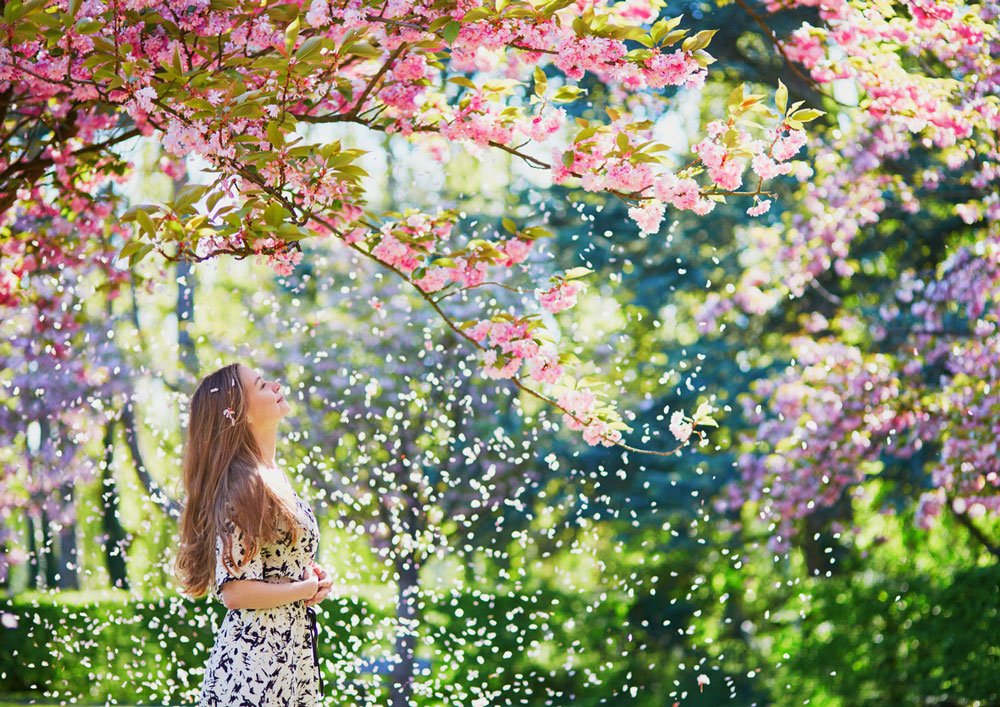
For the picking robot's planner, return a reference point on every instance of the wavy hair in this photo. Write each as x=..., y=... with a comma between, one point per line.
x=223, y=485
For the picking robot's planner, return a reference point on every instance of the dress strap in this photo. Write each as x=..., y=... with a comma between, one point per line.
x=314, y=632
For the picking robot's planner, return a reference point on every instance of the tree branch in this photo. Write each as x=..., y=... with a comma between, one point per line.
x=169, y=506
x=973, y=529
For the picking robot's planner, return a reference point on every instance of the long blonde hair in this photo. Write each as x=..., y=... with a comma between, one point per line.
x=224, y=484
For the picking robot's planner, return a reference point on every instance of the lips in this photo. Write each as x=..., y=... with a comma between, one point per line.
x=281, y=399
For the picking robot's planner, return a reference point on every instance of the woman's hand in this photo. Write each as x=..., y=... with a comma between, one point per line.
x=324, y=584
x=309, y=584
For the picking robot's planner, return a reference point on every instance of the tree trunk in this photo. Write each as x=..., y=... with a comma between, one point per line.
x=66, y=575
x=34, y=561
x=49, y=564
x=44, y=575
x=113, y=539
x=401, y=687
x=5, y=579
x=185, y=305
x=185, y=317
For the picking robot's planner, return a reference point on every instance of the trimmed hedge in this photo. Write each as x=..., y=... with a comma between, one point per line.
x=99, y=646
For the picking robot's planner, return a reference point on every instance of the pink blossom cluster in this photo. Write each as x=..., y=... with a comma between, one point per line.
x=831, y=416
x=723, y=167
x=560, y=296
x=805, y=46
x=509, y=344
x=769, y=160
x=507, y=337
x=648, y=216
x=56, y=352
x=545, y=366
x=839, y=411
x=967, y=471
x=407, y=244
x=680, y=427
x=282, y=259
x=682, y=192
x=543, y=124
x=406, y=86
x=575, y=55
x=637, y=11
x=601, y=170
x=581, y=404
x=843, y=193
x=480, y=121
x=593, y=159
x=877, y=43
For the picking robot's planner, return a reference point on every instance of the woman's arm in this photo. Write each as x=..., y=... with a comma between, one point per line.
x=259, y=594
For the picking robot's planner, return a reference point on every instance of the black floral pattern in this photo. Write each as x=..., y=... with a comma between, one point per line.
x=265, y=657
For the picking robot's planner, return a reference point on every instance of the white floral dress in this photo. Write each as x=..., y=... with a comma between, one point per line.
x=266, y=657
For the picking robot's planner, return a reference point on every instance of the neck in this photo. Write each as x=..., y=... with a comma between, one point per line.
x=267, y=441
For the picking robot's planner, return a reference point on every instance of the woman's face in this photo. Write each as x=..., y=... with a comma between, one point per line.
x=265, y=399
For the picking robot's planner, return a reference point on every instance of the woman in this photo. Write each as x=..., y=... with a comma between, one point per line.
x=243, y=519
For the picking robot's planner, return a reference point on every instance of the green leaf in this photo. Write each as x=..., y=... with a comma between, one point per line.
x=509, y=224
x=534, y=233
x=291, y=36
x=87, y=25
x=451, y=30
x=550, y=8
x=363, y=49
x=698, y=41
x=568, y=94
x=703, y=58
x=541, y=82
x=176, y=61
x=14, y=11
x=274, y=214
x=134, y=251
x=213, y=199
x=129, y=248
x=671, y=38
x=274, y=134
x=662, y=27
x=188, y=196
x=735, y=96
x=502, y=86
x=781, y=97
x=311, y=48
x=577, y=272
x=807, y=114
x=639, y=54
x=479, y=13
x=145, y=222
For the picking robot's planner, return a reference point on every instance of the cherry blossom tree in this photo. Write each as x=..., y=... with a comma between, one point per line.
x=890, y=372
x=237, y=84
